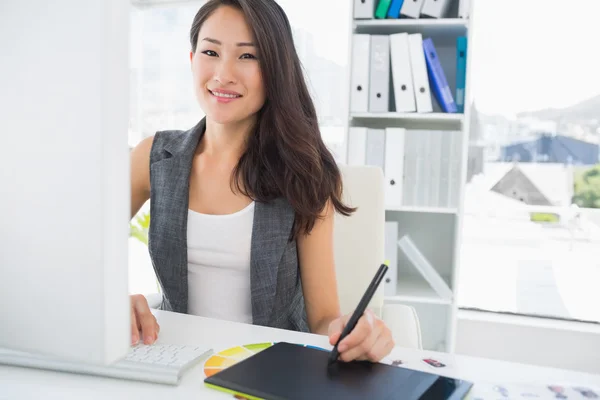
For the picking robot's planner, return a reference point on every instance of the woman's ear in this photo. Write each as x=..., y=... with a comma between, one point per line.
x=191, y=56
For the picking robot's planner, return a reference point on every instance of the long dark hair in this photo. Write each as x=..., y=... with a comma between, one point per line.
x=285, y=155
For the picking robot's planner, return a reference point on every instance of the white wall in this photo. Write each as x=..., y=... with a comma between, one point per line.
x=552, y=343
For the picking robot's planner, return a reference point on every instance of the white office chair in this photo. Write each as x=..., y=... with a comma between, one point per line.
x=359, y=251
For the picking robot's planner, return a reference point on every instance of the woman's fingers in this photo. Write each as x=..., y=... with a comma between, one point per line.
x=143, y=321
x=135, y=329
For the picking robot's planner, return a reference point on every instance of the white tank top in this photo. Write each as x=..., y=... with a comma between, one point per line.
x=219, y=265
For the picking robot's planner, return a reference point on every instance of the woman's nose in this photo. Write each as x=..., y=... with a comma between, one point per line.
x=225, y=72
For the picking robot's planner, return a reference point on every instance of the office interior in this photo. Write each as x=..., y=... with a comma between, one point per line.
x=532, y=305
x=517, y=300
x=491, y=198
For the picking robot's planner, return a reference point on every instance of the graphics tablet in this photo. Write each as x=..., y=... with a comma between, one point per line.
x=294, y=372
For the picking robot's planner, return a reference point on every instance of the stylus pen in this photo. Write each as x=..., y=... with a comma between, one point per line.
x=360, y=310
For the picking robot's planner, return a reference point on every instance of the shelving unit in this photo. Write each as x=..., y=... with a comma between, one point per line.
x=432, y=210
x=413, y=289
x=428, y=27
x=434, y=230
x=436, y=120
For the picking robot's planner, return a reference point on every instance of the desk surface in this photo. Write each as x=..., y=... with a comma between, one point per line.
x=23, y=383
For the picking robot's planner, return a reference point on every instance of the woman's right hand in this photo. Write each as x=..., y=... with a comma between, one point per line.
x=143, y=323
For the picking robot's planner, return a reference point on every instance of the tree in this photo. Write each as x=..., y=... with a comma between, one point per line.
x=139, y=227
x=587, y=188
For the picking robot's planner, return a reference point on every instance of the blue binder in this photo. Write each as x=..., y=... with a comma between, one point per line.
x=394, y=10
x=437, y=78
x=461, y=72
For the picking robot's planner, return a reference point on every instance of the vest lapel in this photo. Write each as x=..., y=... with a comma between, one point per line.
x=272, y=227
x=169, y=211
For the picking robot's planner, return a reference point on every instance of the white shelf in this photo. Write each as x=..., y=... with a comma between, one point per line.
x=448, y=117
x=430, y=210
x=435, y=228
x=415, y=290
x=449, y=27
x=448, y=121
x=417, y=299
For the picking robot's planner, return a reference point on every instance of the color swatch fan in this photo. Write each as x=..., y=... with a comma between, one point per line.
x=233, y=355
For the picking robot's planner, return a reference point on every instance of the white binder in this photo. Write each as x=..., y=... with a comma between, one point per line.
x=364, y=9
x=411, y=8
x=455, y=167
x=359, y=96
x=379, y=80
x=404, y=91
x=357, y=146
x=423, y=171
x=419, y=73
x=409, y=181
x=436, y=8
x=464, y=6
x=445, y=164
x=376, y=148
x=436, y=155
x=391, y=254
x=394, y=166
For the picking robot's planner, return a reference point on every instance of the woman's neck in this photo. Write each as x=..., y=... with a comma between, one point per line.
x=226, y=140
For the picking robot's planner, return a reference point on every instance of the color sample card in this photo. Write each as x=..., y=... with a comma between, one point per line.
x=484, y=391
x=228, y=357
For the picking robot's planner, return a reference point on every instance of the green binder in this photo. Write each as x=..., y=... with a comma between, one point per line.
x=382, y=8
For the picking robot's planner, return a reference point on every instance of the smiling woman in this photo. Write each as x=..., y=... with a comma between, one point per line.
x=225, y=67
x=245, y=200
x=244, y=67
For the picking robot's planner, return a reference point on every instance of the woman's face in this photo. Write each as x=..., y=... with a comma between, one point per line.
x=226, y=72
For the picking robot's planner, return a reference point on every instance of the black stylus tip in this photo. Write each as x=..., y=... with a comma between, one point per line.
x=333, y=357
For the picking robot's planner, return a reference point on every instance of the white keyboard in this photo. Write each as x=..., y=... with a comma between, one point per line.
x=157, y=363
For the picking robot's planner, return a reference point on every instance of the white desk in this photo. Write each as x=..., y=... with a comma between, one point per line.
x=23, y=383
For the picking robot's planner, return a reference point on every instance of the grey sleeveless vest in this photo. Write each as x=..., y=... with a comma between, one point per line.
x=276, y=291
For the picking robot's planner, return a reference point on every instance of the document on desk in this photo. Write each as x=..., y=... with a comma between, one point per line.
x=517, y=391
x=270, y=375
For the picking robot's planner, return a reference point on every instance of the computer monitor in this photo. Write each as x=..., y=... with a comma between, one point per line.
x=64, y=178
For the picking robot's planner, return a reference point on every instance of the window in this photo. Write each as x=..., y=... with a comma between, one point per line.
x=162, y=97
x=531, y=233
x=161, y=93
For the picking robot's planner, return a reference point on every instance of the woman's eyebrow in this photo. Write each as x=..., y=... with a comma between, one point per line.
x=240, y=44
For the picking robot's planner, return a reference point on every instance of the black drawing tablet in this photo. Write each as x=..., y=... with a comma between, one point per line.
x=292, y=372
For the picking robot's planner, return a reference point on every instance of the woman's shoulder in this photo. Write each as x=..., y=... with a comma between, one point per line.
x=161, y=138
x=161, y=144
x=176, y=141
x=140, y=154
x=151, y=147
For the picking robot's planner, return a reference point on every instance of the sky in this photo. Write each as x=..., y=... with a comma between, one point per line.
x=532, y=54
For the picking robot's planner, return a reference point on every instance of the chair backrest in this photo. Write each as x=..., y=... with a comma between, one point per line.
x=359, y=238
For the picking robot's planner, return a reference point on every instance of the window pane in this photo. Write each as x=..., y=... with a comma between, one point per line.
x=162, y=95
x=531, y=234
x=322, y=42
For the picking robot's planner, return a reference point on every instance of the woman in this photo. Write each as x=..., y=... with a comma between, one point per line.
x=242, y=204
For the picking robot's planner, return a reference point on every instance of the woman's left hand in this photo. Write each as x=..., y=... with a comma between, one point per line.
x=370, y=339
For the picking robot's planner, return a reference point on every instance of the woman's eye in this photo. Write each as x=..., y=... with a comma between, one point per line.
x=248, y=55
x=209, y=53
